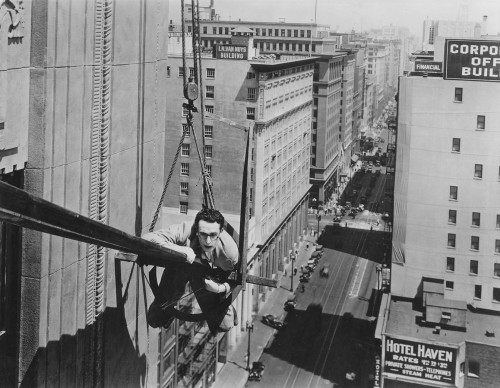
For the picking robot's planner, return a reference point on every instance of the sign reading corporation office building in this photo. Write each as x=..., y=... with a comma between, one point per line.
x=420, y=360
x=472, y=60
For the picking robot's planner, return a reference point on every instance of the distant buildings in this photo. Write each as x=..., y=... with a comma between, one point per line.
x=445, y=290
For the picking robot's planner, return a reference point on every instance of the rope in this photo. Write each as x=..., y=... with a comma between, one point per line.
x=157, y=212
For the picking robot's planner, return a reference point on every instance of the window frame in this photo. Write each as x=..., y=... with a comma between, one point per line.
x=473, y=267
x=481, y=122
x=495, y=295
x=208, y=151
x=250, y=113
x=209, y=131
x=452, y=238
x=478, y=171
x=453, y=193
x=186, y=147
x=455, y=144
x=473, y=369
x=450, y=264
x=251, y=94
x=452, y=217
x=476, y=219
x=478, y=291
x=184, y=169
x=496, y=270
x=449, y=285
x=459, y=93
x=183, y=205
x=210, y=91
x=497, y=246
x=474, y=240
x=210, y=73
x=184, y=188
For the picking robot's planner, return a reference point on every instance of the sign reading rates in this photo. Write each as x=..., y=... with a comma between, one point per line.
x=231, y=52
x=420, y=360
x=472, y=59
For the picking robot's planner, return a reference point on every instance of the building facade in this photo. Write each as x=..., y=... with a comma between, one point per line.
x=82, y=118
x=445, y=277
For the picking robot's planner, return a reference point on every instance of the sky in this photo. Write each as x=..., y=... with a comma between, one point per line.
x=345, y=15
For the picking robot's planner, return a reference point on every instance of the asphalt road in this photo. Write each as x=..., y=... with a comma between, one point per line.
x=317, y=350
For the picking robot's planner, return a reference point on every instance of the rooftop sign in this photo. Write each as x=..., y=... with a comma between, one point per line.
x=477, y=60
x=231, y=52
x=429, y=66
x=420, y=360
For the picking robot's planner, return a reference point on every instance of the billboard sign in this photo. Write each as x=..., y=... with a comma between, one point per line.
x=420, y=360
x=429, y=66
x=231, y=52
x=477, y=60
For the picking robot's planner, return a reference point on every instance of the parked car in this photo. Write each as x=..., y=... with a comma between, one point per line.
x=273, y=321
x=337, y=220
x=304, y=278
x=290, y=304
x=257, y=371
x=324, y=272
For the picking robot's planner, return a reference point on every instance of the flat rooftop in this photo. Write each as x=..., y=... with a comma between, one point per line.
x=403, y=320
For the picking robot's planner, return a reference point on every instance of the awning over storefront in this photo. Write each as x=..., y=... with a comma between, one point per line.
x=355, y=158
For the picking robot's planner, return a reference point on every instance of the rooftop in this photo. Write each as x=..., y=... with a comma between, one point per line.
x=403, y=320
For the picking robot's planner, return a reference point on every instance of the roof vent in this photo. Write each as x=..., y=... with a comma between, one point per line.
x=490, y=333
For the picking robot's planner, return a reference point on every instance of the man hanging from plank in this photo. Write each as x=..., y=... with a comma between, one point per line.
x=207, y=243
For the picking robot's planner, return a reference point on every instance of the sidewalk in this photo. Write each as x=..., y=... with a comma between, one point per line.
x=234, y=374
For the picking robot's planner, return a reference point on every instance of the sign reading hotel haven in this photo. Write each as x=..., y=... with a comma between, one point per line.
x=472, y=59
x=231, y=52
x=420, y=360
x=429, y=66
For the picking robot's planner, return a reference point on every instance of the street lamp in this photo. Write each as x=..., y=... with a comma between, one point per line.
x=292, y=258
x=378, y=268
x=249, y=329
x=318, y=217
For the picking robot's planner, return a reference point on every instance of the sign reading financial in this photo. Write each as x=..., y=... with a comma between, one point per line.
x=420, y=360
x=231, y=52
x=429, y=66
x=472, y=60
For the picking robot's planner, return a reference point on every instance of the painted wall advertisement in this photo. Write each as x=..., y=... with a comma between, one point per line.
x=231, y=52
x=472, y=60
x=429, y=66
x=420, y=360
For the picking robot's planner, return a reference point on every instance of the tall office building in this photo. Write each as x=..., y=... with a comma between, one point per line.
x=440, y=323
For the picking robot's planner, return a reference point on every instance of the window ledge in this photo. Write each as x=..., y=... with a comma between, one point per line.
x=455, y=152
x=475, y=226
x=476, y=298
x=450, y=270
x=472, y=375
x=474, y=250
x=478, y=178
x=452, y=223
x=453, y=199
x=472, y=274
x=458, y=102
x=451, y=247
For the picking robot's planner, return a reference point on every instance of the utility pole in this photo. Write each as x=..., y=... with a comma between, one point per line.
x=249, y=329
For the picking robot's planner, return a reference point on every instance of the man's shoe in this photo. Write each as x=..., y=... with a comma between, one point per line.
x=157, y=316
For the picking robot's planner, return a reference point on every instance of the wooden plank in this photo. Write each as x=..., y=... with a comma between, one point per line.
x=262, y=281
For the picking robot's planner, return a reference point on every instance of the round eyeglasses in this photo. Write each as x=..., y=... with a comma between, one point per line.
x=205, y=236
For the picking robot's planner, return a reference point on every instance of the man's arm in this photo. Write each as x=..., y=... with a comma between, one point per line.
x=174, y=237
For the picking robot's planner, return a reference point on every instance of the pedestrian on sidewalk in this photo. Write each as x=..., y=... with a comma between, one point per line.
x=295, y=271
x=302, y=269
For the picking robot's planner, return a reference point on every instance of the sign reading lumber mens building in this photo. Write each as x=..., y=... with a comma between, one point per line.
x=429, y=66
x=231, y=52
x=472, y=60
x=420, y=360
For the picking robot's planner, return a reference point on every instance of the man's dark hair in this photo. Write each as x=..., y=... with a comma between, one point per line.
x=209, y=215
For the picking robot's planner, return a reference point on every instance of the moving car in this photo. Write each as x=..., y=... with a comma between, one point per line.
x=273, y=321
x=324, y=272
x=257, y=371
x=290, y=303
x=304, y=278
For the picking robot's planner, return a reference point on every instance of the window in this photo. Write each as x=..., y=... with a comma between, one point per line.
x=498, y=221
x=478, y=171
x=184, y=188
x=208, y=151
x=251, y=113
x=476, y=219
x=186, y=149
x=473, y=369
x=183, y=207
x=181, y=72
x=211, y=73
x=191, y=72
x=458, y=94
x=209, y=131
x=209, y=108
x=251, y=94
x=474, y=243
x=185, y=129
x=168, y=71
x=454, y=192
x=449, y=285
x=496, y=270
x=452, y=216
x=209, y=169
x=185, y=111
x=250, y=75
x=481, y=122
x=474, y=266
x=451, y=240
x=462, y=368
x=185, y=169
x=496, y=294
x=455, y=145
x=210, y=91
x=205, y=30
x=497, y=246
x=478, y=290
x=450, y=264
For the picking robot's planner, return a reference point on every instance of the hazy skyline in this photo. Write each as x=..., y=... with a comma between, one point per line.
x=345, y=15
